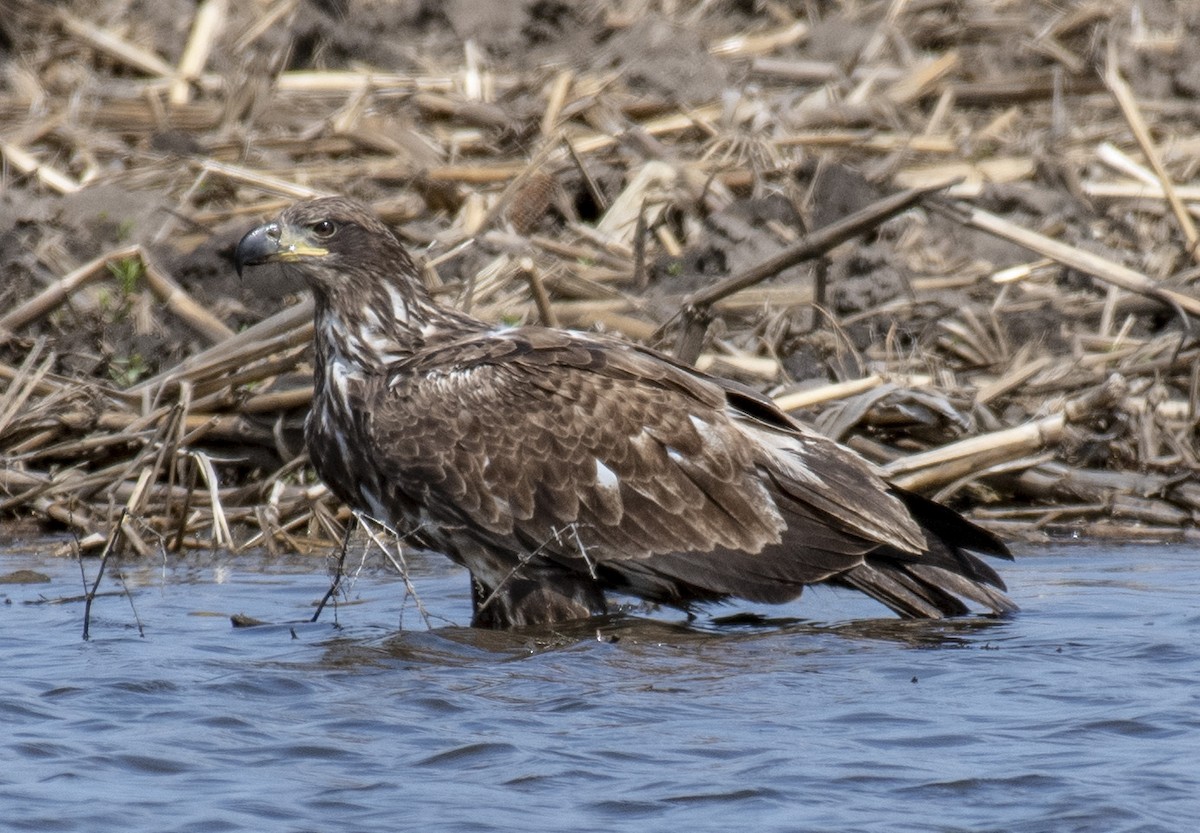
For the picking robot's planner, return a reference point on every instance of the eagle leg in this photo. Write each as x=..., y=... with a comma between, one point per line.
x=550, y=596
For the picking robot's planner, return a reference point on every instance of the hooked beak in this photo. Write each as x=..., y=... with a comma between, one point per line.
x=273, y=242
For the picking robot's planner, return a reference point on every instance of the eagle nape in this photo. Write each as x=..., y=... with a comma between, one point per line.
x=558, y=465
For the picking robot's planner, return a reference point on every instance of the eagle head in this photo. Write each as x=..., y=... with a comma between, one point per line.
x=331, y=242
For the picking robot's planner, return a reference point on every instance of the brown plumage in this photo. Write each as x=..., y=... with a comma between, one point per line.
x=557, y=465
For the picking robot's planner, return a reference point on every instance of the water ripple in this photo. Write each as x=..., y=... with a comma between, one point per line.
x=1081, y=713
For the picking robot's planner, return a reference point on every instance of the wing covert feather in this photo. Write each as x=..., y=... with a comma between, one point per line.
x=637, y=458
x=534, y=447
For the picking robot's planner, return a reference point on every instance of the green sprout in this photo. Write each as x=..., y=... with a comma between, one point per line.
x=128, y=272
x=127, y=370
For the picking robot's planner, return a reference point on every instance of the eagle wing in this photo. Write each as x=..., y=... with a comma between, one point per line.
x=597, y=454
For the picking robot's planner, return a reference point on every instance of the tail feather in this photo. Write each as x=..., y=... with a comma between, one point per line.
x=963, y=586
x=951, y=526
x=921, y=591
x=900, y=590
x=935, y=583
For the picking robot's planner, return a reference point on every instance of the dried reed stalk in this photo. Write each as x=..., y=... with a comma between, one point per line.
x=567, y=196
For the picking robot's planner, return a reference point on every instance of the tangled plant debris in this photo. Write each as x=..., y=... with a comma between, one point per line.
x=1021, y=340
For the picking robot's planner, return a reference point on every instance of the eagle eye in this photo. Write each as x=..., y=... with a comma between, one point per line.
x=324, y=229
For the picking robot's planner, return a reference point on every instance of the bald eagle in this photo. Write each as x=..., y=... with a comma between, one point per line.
x=558, y=465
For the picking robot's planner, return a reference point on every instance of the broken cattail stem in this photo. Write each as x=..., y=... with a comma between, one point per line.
x=206, y=25
x=176, y=298
x=286, y=328
x=942, y=465
x=825, y=393
x=555, y=99
x=48, y=175
x=115, y=47
x=537, y=288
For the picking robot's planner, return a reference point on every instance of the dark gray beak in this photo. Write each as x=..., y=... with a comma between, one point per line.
x=260, y=245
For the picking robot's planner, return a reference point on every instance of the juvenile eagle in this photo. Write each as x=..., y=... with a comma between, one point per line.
x=557, y=465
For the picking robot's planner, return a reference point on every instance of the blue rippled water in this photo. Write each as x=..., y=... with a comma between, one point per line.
x=1081, y=713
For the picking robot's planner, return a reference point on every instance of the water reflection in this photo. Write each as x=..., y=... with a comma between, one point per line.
x=465, y=646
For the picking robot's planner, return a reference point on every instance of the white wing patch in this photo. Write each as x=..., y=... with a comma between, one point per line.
x=606, y=478
x=787, y=450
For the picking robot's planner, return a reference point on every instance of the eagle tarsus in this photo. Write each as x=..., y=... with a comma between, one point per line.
x=531, y=600
x=675, y=486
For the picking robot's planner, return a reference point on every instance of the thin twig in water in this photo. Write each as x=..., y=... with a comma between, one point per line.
x=91, y=594
x=338, y=574
x=125, y=589
x=398, y=562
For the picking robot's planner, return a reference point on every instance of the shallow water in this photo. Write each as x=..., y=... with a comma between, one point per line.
x=1080, y=713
